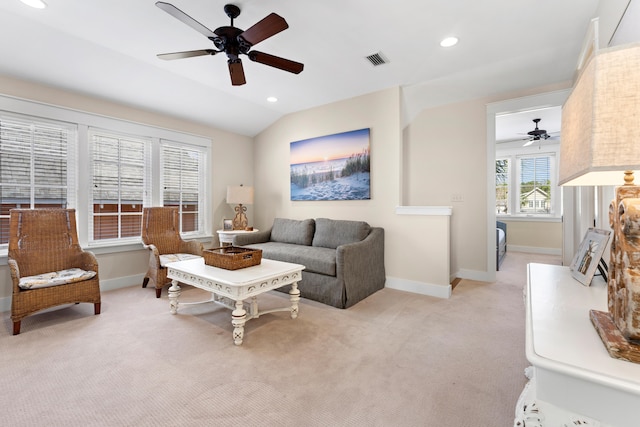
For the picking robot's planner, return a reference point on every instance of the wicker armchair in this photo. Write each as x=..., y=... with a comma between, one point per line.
x=41, y=243
x=161, y=235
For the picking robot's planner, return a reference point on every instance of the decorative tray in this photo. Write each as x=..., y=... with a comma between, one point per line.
x=232, y=257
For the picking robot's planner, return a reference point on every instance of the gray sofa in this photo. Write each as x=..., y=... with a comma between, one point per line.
x=344, y=260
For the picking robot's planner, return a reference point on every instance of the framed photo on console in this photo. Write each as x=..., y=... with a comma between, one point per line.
x=587, y=258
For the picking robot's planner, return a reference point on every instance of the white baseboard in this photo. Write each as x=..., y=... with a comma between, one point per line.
x=105, y=285
x=534, y=250
x=430, y=289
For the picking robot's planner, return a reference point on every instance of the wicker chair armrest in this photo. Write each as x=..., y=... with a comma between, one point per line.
x=191, y=247
x=88, y=261
x=15, y=273
x=152, y=248
x=154, y=256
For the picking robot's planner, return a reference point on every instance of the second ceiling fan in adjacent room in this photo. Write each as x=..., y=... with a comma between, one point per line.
x=537, y=134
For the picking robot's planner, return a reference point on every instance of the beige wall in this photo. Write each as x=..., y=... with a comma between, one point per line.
x=120, y=268
x=445, y=156
x=529, y=236
x=414, y=248
x=441, y=153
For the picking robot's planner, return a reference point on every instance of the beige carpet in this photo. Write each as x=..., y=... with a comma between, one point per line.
x=394, y=359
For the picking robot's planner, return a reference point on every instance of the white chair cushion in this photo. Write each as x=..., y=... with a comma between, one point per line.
x=169, y=258
x=55, y=278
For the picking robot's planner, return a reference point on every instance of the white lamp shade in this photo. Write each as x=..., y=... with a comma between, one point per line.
x=239, y=195
x=601, y=120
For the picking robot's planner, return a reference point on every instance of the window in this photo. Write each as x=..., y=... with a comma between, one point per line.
x=105, y=168
x=502, y=186
x=182, y=183
x=119, y=184
x=526, y=183
x=534, y=184
x=36, y=165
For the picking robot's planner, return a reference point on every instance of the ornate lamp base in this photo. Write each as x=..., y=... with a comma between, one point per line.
x=617, y=345
x=240, y=221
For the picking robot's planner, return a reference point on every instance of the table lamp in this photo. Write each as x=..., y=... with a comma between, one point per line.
x=240, y=196
x=600, y=145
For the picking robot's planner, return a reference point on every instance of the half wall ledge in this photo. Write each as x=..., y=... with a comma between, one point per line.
x=422, y=269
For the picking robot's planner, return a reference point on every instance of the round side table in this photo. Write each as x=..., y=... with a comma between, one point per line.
x=226, y=236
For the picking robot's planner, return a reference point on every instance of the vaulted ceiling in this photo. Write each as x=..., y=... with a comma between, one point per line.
x=108, y=49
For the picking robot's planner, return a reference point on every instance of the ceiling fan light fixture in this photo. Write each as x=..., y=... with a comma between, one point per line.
x=449, y=41
x=38, y=4
x=272, y=99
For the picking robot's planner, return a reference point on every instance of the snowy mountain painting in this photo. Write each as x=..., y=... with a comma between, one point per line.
x=332, y=167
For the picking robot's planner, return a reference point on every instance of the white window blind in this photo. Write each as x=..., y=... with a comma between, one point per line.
x=120, y=184
x=535, y=184
x=37, y=165
x=182, y=171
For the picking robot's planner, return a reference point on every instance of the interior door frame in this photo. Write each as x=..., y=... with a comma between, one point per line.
x=543, y=100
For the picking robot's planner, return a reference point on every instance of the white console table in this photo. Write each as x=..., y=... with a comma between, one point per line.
x=574, y=381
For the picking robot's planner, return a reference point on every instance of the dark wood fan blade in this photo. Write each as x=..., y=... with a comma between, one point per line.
x=180, y=15
x=187, y=54
x=276, y=61
x=267, y=27
x=236, y=71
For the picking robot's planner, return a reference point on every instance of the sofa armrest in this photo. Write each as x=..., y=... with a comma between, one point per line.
x=361, y=266
x=251, y=238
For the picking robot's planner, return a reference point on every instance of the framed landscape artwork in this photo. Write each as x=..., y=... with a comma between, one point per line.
x=332, y=167
x=588, y=255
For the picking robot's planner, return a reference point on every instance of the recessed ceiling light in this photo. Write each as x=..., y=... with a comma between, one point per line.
x=449, y=41
x=38, y=4
x=272, y=99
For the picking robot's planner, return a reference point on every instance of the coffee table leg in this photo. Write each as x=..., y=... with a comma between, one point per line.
x=238, y=319
x=295, y=297
x=174, y=293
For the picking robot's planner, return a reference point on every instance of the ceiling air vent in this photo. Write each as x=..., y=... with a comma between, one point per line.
x=377, y=59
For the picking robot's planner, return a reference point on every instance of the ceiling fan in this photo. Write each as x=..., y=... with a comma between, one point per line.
x=536, y=134
x=234, y=41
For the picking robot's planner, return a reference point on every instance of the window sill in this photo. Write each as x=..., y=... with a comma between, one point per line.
x=528, y=218
x=111, y=248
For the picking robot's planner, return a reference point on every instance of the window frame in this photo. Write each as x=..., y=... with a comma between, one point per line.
x=199, y=212
x=84, y=121
x=534, y=204
x=120, y=213
x=514, y=152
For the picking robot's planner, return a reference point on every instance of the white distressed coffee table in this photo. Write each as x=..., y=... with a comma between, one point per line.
x=232, y=287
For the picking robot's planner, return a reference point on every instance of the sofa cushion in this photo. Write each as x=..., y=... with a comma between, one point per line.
x=315, y=259
x=331, y=233
x=297, y=232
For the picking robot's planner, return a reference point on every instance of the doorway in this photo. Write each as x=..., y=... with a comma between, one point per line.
x=508, y=107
